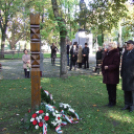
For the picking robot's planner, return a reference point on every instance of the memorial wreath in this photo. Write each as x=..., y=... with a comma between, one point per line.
x=50, y=114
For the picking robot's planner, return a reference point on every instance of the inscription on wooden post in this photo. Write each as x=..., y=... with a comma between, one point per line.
x=35, y=59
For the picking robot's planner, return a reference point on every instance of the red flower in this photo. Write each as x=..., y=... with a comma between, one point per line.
x=34, y=115
x=29, y=110
x=58, y=118
x=34, y=122
x=41, y=111
x=40, y=124
x=46, y=118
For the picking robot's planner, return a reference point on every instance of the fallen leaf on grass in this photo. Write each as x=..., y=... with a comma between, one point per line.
x=24, y=88
x=4, y=129
x=94, y=105
x=80, y=128
x=98, y=110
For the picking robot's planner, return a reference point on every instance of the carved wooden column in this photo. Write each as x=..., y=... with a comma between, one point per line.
x=35, y=60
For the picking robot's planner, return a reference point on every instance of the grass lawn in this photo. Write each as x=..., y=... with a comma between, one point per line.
x=86, y=94
x=19, y=56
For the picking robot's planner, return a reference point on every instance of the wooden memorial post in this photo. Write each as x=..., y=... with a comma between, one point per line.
x=35, y=60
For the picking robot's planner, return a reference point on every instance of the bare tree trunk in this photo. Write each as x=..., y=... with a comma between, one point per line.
x=63, y=57
x=63, y=33
x=2, y=46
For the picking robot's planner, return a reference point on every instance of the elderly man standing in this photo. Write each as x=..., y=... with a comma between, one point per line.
x=127, y=74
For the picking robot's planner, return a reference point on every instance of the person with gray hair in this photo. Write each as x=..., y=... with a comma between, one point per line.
x=127, y=74
x=110, y=71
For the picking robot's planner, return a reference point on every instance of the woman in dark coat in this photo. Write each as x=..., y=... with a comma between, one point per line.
x=110, y=71
x=53, y=53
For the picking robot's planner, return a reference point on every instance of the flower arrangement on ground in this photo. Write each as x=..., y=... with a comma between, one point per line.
x=51, y=114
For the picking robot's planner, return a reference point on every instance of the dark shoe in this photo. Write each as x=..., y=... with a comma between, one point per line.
x=107, y=105
x=111, y=105
x=125, y=108
x=131, y=109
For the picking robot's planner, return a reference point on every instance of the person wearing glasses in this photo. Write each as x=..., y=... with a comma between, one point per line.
x=110, y=71
x=127, y=74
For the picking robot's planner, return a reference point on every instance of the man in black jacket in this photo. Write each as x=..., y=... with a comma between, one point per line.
x=68, y=47
x=85, y=53
x=127, y=73
x=73, y=56
x=99, y=55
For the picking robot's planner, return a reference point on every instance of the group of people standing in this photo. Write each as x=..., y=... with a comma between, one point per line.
x=78, y=55
x=110, y=72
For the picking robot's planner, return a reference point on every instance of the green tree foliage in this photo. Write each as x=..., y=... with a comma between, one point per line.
x=8, y=10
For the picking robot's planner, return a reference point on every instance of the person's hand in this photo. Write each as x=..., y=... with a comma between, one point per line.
x=84, y=55
x=73, y=55
x=105, y=67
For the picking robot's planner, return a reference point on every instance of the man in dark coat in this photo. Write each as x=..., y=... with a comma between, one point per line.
x=85, y=53
x=110, y=71
x=127, y=73
x=73, y=56
x=54, y=49
x=99, y=55
x=68, y=47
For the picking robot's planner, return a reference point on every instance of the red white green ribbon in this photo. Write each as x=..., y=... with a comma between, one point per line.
x=58, y=129
x=44, y=128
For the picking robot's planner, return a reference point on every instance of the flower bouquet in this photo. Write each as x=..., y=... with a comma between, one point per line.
x=28, y=65
x=51, y=114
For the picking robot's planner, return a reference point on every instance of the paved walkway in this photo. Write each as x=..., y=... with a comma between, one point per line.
x=12, y=69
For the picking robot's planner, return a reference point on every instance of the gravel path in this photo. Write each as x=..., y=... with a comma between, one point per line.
x=12, y=69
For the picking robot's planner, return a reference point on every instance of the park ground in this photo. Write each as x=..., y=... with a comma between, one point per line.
x=86, y=94
x=83, y=91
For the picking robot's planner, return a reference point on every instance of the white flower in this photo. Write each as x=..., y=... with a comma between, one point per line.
x=71, y=110
x=65, y=106
x=32, y=119
x=54, y=123
x=56, y=111
x=58, y=120
x=47, y=114
x=42, y=114
x=61, y=104
x=38, y=119
x=37, y=112
x=54, y=114
x=36, y=127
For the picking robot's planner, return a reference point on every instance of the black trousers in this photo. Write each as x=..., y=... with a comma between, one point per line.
x=72, y=63
x=26, y=73
x=111, y=88
x=85, y=60
x=80, y=65
x=129, y=98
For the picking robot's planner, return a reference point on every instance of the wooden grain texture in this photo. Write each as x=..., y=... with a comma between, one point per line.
x=35, y=47
x=34, y=19
x=35, y=87
x=35, y=60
